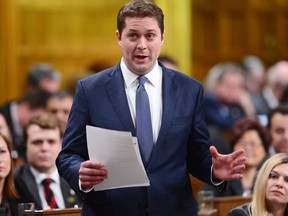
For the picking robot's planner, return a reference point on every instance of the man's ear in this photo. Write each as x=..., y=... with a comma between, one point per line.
x=118, y=35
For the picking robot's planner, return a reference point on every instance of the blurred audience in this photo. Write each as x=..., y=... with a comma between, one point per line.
x=4, y=129
x=250, y=135
x=45, y=77
x=270, y=195
x=59, y=105
x=43, y=142
x=284, y=98
x=277, y=81
x=169, y=62
x=18, y=113
x=226, y=101
x=278, y=127
x=254, y=72
x=9, y=196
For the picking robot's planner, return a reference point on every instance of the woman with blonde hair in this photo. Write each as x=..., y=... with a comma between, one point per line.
x=270, y=197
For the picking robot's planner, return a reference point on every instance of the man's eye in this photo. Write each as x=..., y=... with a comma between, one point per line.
x=280, y=131
x=150, y=36
x=132, y=35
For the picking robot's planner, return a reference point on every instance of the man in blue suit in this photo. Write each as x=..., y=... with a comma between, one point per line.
x=181, y=143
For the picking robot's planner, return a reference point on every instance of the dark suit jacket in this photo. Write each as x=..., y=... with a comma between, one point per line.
x=9, y=206
x=182, y=146
x=25, y=178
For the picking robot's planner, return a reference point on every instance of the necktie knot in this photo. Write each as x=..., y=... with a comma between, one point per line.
x=142, y=80
x=47, y=181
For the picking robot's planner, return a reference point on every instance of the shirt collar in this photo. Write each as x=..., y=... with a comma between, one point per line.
x=129, y=77
x=39, y=177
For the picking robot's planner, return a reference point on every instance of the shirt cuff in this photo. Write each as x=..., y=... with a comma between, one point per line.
x=215, y=182
x=84, y=190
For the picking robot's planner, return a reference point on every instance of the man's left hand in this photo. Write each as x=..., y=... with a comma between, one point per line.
x=228, y=166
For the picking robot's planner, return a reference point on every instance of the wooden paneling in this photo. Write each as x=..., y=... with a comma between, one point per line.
x=71, y=35
x=226, y=30
x=68, y=34
x=225, y=204
x=8, y=67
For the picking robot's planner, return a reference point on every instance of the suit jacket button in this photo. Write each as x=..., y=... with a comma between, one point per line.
x=147, y=172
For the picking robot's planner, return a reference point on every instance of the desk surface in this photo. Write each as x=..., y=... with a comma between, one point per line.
x=213, y=212
x=60, y=212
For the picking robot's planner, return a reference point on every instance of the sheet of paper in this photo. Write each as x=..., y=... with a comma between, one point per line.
x=119, y=152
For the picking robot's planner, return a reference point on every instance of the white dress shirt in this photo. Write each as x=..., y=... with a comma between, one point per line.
x=55, y=187
x=153, y=87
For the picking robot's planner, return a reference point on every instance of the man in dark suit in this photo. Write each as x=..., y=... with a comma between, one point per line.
x=109, y=99
x=18, y=112
x=43, y=141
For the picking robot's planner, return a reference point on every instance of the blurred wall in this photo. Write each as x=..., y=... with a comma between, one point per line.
x=73, y=35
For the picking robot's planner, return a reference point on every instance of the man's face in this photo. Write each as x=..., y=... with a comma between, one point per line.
x=49, y=85
x=279, y=132
x=60, y=108
x=27, y=113
x=141, y=41
x=230, y=88
x=43, y=146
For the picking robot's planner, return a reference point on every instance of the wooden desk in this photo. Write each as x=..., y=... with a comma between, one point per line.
x=210, y=213
x=225, y=204
x=60, y=212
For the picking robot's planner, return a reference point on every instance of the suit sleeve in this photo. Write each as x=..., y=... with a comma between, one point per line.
x=199, y=157
x=74, y=148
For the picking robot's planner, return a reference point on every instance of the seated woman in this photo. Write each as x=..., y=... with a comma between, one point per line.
x=270, y=195
x=4, y=129
x=250, y=135
x=9, y=197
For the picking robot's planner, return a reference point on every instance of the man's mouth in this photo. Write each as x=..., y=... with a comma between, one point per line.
x=141, y=57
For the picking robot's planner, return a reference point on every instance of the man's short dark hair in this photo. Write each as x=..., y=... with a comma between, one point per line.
x=44, y=121
x=140, y=8
x=282, y=109
x=35, y=99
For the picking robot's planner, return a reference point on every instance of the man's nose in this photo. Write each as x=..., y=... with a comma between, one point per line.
x=142, y=43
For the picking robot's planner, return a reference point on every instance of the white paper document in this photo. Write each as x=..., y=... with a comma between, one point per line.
x=119, y=152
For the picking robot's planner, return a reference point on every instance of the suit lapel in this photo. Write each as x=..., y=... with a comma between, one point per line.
x=30, y=181
x=117, y=94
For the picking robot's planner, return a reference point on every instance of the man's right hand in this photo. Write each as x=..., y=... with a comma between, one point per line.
x=91, y=173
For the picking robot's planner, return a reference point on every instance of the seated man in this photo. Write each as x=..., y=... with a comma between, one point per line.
x=59, y=105
x=278, y=127
x=43, y=142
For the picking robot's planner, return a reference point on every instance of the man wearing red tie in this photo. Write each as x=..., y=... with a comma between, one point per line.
x=43, y=143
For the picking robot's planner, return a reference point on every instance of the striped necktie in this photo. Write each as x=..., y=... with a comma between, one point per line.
x=49, y=195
